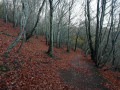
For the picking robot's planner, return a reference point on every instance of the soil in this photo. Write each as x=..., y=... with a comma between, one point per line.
x=86, y=79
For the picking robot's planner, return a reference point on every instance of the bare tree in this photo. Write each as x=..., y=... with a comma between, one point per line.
x=69, y=23
x=24, y=16
x=88, y=28
x=29, y=35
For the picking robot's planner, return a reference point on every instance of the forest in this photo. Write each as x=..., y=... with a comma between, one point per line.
x=59, y=45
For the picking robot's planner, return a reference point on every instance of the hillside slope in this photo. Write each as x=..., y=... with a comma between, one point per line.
x=33, y=69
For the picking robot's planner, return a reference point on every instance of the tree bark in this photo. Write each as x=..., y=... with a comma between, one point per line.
x=89, y=30
x=51, y=29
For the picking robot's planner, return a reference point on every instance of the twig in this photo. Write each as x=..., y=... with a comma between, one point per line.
x=1, y=32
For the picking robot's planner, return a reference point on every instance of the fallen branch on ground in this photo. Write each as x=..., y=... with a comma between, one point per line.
x=109, y=68
x=1, y=32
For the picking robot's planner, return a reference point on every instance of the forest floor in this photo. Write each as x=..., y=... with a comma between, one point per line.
x=33, y=69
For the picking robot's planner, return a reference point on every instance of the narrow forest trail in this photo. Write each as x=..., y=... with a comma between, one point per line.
x=83, y=75
x=33, y=69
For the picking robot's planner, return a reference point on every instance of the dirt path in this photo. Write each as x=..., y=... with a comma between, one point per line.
x=83, y=75
x=33, y=69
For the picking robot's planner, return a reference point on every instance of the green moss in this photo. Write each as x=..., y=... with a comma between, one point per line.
x=3, y=68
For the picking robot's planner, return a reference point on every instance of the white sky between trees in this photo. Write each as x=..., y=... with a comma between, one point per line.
x=78, y=10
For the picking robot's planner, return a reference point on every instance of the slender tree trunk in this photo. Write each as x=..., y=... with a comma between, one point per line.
x=14, y=14
x=5, y=3
x=89, y=30
x=29, y=35
x=22, y=42
x=58, y=38
x=68, y=42
x=51, y=29
x=69, y=22
x=102, y=19
x=96, y=35
x=76, y=40
x=46, y=27
x=112, y=28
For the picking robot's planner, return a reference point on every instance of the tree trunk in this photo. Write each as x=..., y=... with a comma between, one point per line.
x=29, y=35
x=23, y=22
x=51, y=29
x=89, y=30
x=76, y=41
x=14, y=14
